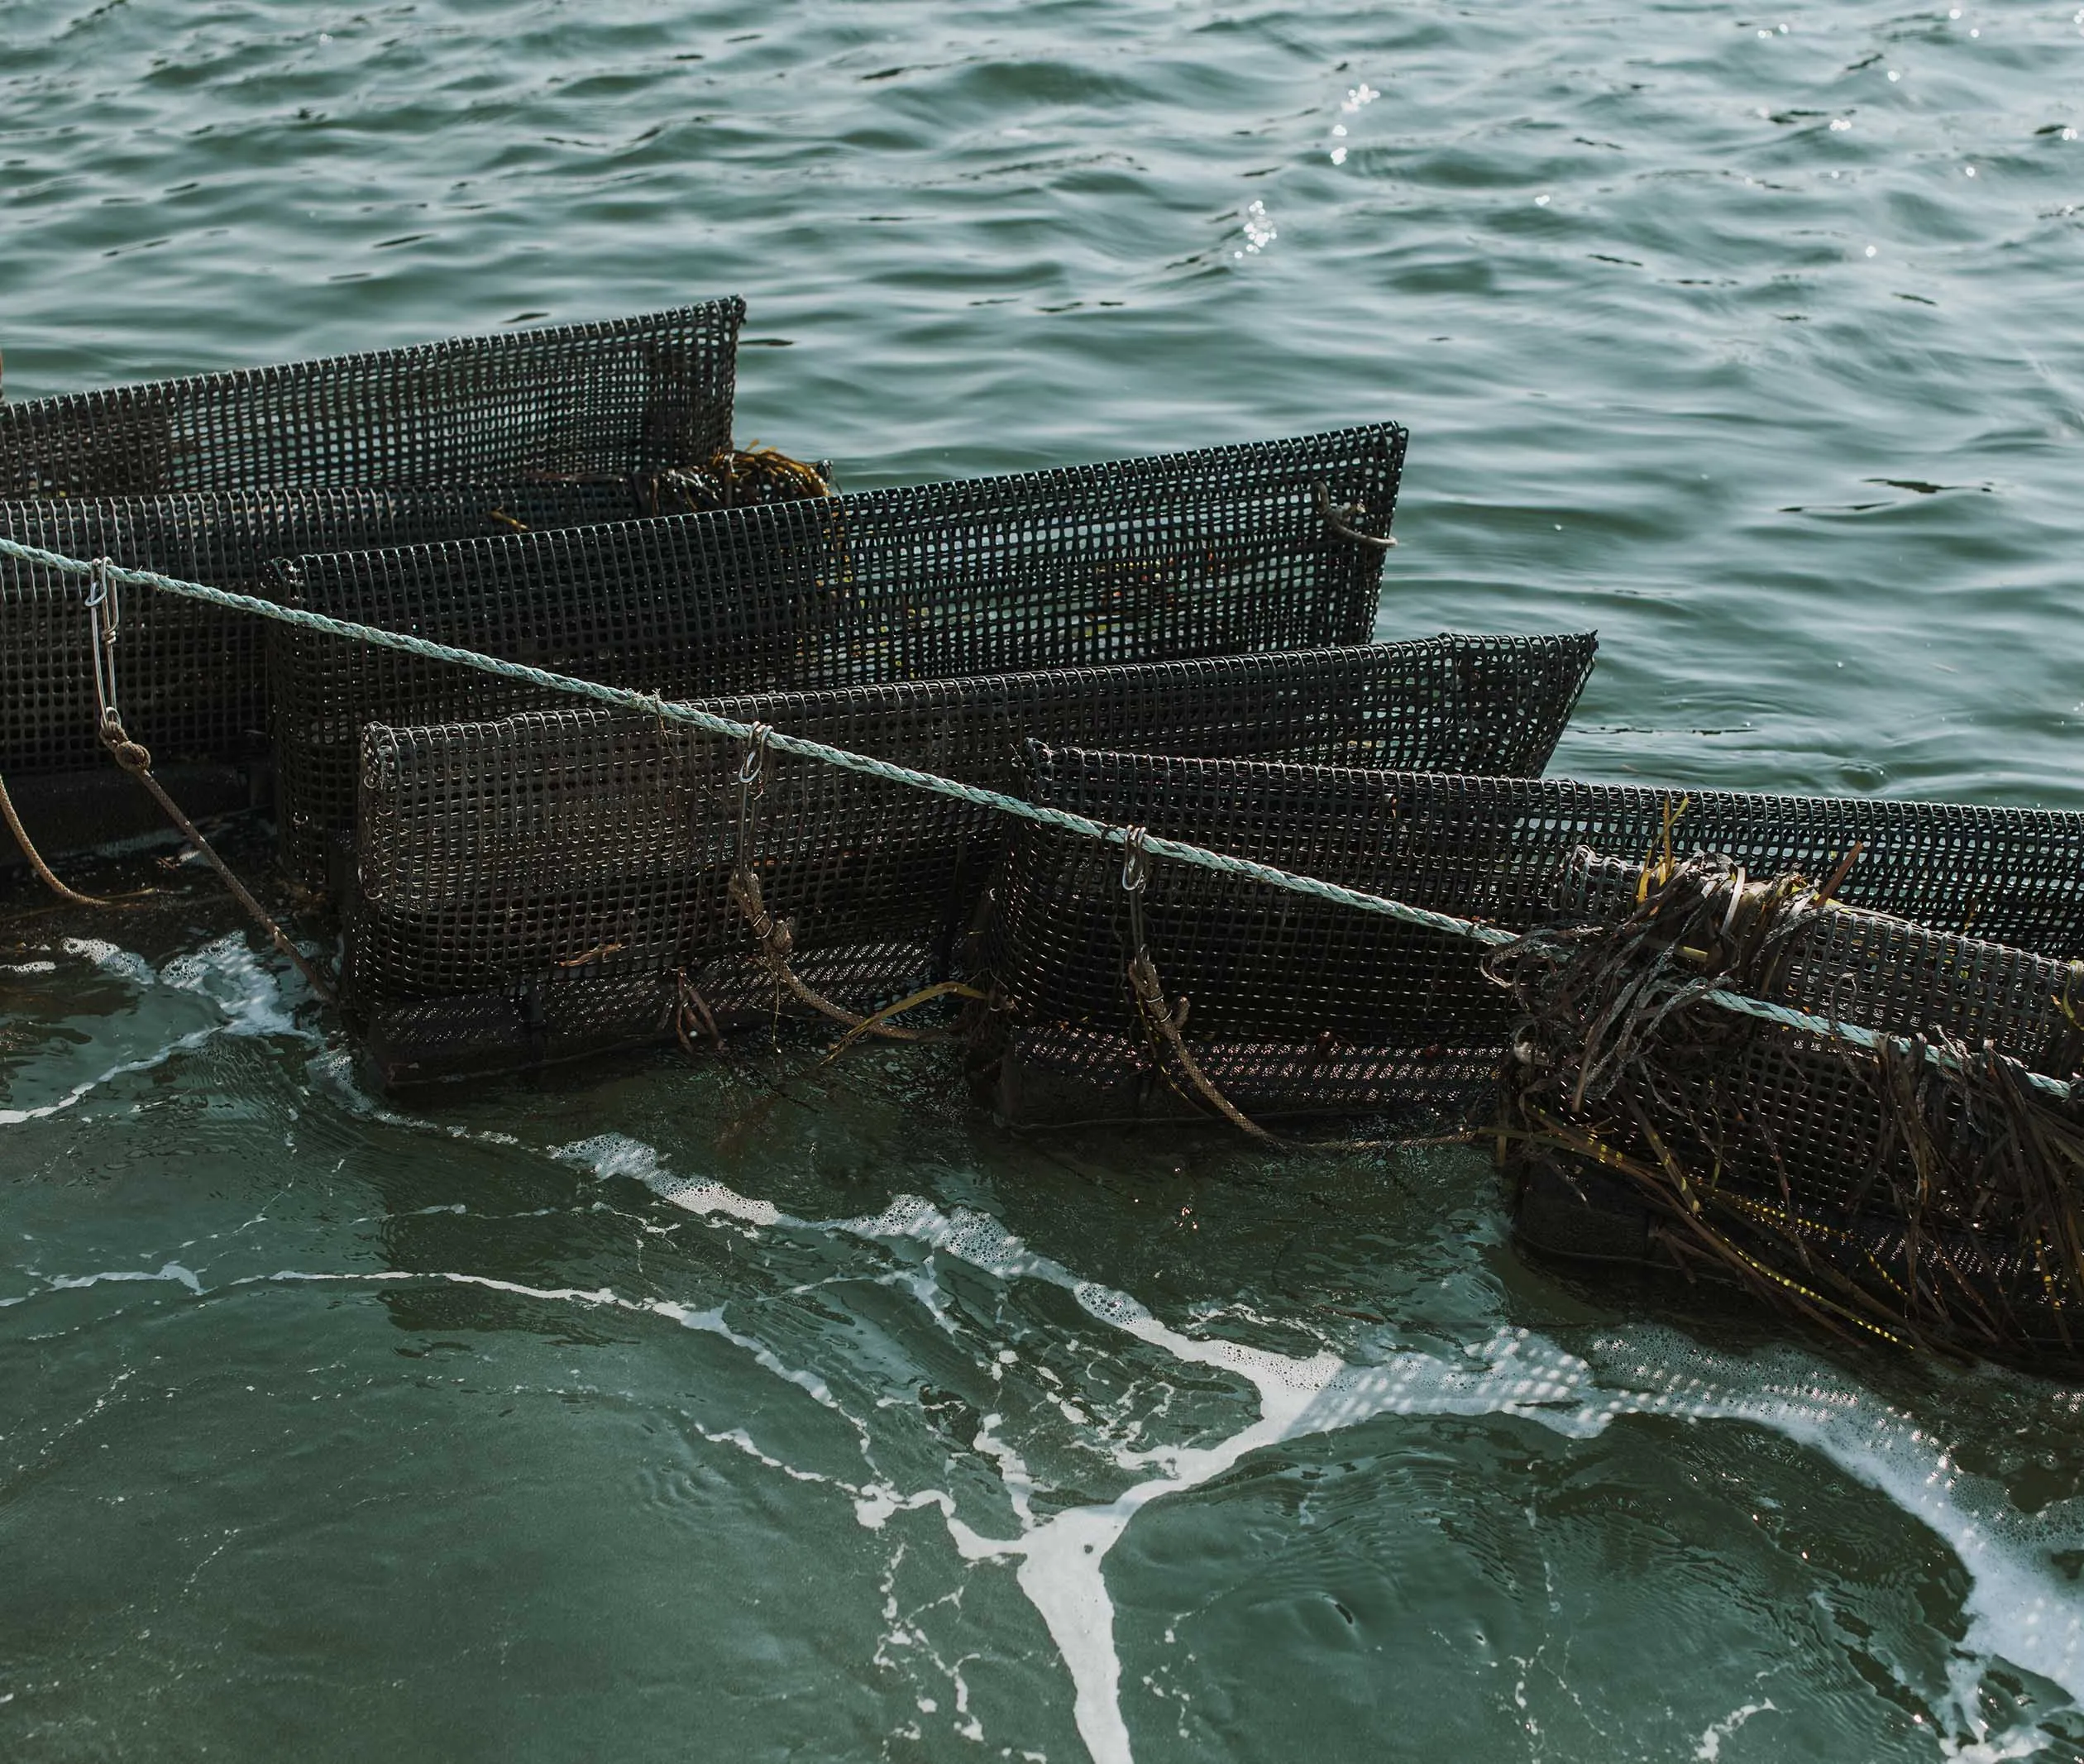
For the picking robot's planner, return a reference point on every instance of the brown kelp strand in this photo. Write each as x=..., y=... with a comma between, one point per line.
x=1874, y=1189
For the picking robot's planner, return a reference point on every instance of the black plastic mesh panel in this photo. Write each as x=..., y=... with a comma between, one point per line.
x=530, y=888
x=1214, y=552
x=1298, y=1005
x=192, y=676
x=619, y=398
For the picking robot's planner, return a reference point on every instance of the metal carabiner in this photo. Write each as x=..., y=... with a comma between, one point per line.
x=753, y=768
x=102, y=635
x=1136, y=860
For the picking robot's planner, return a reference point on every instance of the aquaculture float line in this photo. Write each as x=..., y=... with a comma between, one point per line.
x=622, y=698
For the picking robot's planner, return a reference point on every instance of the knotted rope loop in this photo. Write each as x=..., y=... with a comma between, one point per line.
x=1340, y=518
x=134, y=756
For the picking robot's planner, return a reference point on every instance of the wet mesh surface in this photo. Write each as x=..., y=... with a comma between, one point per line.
x=618, y=398
x=1298, y=1005
x=1794, y=1128
x=1214, y=552
x=192, y=676
x=530, y=888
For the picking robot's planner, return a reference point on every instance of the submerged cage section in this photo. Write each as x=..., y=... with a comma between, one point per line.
x=556, y=883
x=1298, y=1005
x=1220, y=551
x=618, y=398
x=1925, y=1190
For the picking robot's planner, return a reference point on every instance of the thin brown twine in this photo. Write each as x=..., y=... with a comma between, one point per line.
x=136, y=758
x=776, y=936
x=103, y=590
x=1166, y=1022
x=46, y=874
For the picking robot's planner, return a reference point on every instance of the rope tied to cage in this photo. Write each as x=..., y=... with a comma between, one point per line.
x=775, y=937
x=1162, y=1020
x=1165, y=1021
x=98, y=644
x=1341, y=517
x=105, y=625
x=1062, y=820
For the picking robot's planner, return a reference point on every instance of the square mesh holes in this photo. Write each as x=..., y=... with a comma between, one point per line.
x=192, y=676
x=1932, y=1202
x=618, y=398
x=1297, y=1006
x=557, y=882
x=1216, y=552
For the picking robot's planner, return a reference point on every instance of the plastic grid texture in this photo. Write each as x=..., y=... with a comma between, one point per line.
x=531, y=888
x=1218, y=551
x=192, y=678
x=1300, y=1006
x=618, y=397
x=1792, y=1121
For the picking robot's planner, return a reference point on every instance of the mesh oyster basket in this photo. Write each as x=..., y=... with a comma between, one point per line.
x=1298, y=1005
x=1926, y=1190
x=192, y=676
x=558, y=883
x=1214, y=552
x=620, y=398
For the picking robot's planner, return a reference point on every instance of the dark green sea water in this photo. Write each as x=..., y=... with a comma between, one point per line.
x=661, y=1412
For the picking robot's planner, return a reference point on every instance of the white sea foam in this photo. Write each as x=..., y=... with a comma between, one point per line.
x=1710, y=1747
x=616, y=1155
x=2019, y=1606
x=124, y=963
x=246, y=995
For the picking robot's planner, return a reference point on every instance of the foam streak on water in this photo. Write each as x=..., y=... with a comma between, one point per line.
x=224, y=982
x=2021, y=1608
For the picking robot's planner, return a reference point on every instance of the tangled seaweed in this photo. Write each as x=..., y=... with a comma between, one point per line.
x=736, y=477
x=1921, y=1191
x=730, y=478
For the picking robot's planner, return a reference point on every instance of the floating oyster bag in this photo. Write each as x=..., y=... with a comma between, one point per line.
x=618, y=398
x=1297, y=1005
x=1217, y=552
x=553, y=883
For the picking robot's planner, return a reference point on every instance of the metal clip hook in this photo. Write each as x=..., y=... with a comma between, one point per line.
x=753, y=768
x=102, y=635
x=1340, y=520
x=1136, y=861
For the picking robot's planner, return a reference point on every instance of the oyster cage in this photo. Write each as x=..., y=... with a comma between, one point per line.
x=620, y=398
x=553, y=884
x=1219, y=552
x=193, y=676
x=1872, y=1189
x=1298, y=1005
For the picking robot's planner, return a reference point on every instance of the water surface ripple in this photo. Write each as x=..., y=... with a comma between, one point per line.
x=758, y=1413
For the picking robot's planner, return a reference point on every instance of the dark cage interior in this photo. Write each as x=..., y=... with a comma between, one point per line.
x=1926, y=1190
x=618, y=398
x=1297, y=1005
x=192, y=676
x=1220, y=551
x=558, y=882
